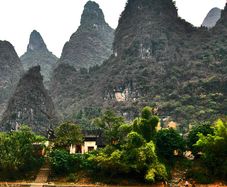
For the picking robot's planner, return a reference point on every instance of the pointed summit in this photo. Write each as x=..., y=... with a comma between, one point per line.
x=38, y=54
x=212, y=17
x=36, y=42
x=9, y=60
x=7, y=50
x=145, y=23
x=92, y=14
x=91, y=44
x=10, y=71
x=30, y=104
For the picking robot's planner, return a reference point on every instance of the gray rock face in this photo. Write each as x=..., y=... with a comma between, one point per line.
x=91, y=44
x=36, y=42
x=38, y=54
x=92, y=14
x=30, y=104
x=10, y=72
x=159, y=60
x=212, y=17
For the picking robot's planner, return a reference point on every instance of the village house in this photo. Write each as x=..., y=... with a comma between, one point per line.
x=92, y=141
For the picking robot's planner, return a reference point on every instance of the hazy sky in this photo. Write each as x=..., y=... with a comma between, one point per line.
x=56, y=20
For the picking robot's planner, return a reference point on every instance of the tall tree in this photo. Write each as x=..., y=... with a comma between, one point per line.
x=18, y=153
x=110, y=124
x=68, y=133
x=204, y=128
x=214, y=149
x=167, y=141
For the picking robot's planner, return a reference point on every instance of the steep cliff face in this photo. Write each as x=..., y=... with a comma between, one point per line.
x=159, y=60
x=10, y=72
x=30, y=104
x=91, y=44
x=144, y=23
x=67, y=90
x=38, y=54
x=212, y=17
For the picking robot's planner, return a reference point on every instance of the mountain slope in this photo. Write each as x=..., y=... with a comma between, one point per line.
x=10, y=71
x=38, y=54
x=137, y=47
x=212, y=17
x=30, y=105
x=160, y=61
x=91, y=44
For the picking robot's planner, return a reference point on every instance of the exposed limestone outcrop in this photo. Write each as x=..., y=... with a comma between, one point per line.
x=10, y=72
x=91, y=44
x=30, y=105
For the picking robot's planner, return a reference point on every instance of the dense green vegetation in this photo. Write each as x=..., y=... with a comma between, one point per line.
x=139, y=151
x=168, y=141
x=63, y=163
x=136, y=150
x=67, y=133
x=130, y=150
x=214, y=149
x=203, y=128
x=20, y=153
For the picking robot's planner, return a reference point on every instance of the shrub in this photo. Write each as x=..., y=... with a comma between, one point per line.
x=64, y=163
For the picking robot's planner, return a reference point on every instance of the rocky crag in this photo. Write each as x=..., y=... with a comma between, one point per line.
x=10, y=72
x=38, y=54
x=91, y=44
x=30, y=105
x=158, y=60
x=212, y=18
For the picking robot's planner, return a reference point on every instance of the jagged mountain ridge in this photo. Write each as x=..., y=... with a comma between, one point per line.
x=10, y=72
x=132, y=37
x=91, y=44
x=212, y=18
x=38, y=54
x=161, y=61
x=30, y=105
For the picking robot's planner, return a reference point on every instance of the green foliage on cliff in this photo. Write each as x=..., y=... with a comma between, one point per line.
x=162, y=60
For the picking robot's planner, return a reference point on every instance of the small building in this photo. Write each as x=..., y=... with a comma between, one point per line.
x=92, y=141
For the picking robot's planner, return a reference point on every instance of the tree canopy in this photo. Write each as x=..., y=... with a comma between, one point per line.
x=68, y=133
x=146, y=124
x=167, y=141
x=18, y=153
x=214, y=149
x=203, y=128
